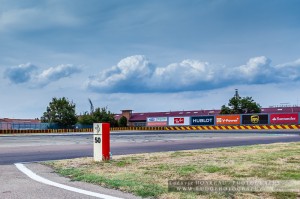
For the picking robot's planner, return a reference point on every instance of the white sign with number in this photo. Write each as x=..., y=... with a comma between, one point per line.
x=97, y=138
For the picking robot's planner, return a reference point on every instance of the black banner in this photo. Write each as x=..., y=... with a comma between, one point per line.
x=255, y=119
x=203, y=120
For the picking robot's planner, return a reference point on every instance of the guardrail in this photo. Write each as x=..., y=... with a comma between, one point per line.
x=164, y=128
x=14, y=131
x=138, y=128
x=238, y=127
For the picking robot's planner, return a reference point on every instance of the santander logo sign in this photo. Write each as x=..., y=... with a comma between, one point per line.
x=292, y=118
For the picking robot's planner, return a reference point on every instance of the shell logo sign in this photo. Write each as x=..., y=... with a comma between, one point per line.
x=228, y=119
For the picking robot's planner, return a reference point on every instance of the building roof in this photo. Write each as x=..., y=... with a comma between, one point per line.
x=142, y=117
x=292, y=109
x=32, y=121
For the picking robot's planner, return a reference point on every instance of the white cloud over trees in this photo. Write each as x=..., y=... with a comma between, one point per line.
x=30, y=75
x=136, y=74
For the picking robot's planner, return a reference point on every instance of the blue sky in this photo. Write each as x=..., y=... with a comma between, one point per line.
x=147, y=55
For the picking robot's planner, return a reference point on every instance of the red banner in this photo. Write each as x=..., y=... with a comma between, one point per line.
x=179, y=120
x=291, y=118
x=157, y=123
x=228, y=119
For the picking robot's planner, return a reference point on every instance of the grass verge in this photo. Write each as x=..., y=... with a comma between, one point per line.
x=147, y=175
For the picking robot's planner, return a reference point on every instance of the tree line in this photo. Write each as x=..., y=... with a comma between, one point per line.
x=240, y=105
x=62, y=113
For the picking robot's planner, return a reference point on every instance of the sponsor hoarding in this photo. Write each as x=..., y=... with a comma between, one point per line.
x=157, y=121
x=203, y=120
x=291, y=118
x=179, y=121
x=255, y=119
x=228, y=119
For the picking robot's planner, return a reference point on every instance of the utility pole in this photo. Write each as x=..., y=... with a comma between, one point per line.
x=236, y=94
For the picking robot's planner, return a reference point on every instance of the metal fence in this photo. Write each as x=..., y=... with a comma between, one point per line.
x=23, y=126
x=36, y=126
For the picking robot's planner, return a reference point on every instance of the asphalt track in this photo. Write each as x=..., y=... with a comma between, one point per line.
x=29, y=148
x=14, y=184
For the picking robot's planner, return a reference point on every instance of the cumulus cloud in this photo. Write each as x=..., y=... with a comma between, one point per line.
x=20, y=74
x=289, y=71
x=183, y=76
x=257, y=70
x=29, y=74
x=130, y=73
x=55, y=73
x=136, y=74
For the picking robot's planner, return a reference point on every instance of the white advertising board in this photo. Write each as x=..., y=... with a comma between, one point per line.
x=157, y=121
x=179, y=121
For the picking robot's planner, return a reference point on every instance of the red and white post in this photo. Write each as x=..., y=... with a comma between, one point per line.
x=101, y=141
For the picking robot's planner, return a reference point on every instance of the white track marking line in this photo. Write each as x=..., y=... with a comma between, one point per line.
x=38, y=178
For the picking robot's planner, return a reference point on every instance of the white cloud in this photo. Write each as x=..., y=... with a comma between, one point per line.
x=257, y=70
x=135, y=74
x=182, y=76
x=55, y=73
x=20, y=74
x=289, y=71
x=28, y=74
x=254, y=66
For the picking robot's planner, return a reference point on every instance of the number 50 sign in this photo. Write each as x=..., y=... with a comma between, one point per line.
x=101, y=140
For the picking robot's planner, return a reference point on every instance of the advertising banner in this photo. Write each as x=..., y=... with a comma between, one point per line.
x=255, y=119
x=157, y=121
x=228, y=119
x=203, y=120
x=179, y=121
x=291, y=118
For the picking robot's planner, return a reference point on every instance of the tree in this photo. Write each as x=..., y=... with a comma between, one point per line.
x=86, y=119
x=239, y=105
x=61, y=112
x=97, y=115
x=225, y=110
x=123, y=121
x=103, y=115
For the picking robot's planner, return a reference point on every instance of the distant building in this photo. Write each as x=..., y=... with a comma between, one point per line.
x=7, y=123
x=140, y=119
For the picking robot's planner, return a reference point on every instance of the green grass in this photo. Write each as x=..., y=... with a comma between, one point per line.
x=187, y=170
x=180, y=154
x=147, y=175
x=129, y=180
x=284, y=195
x=212, y=168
